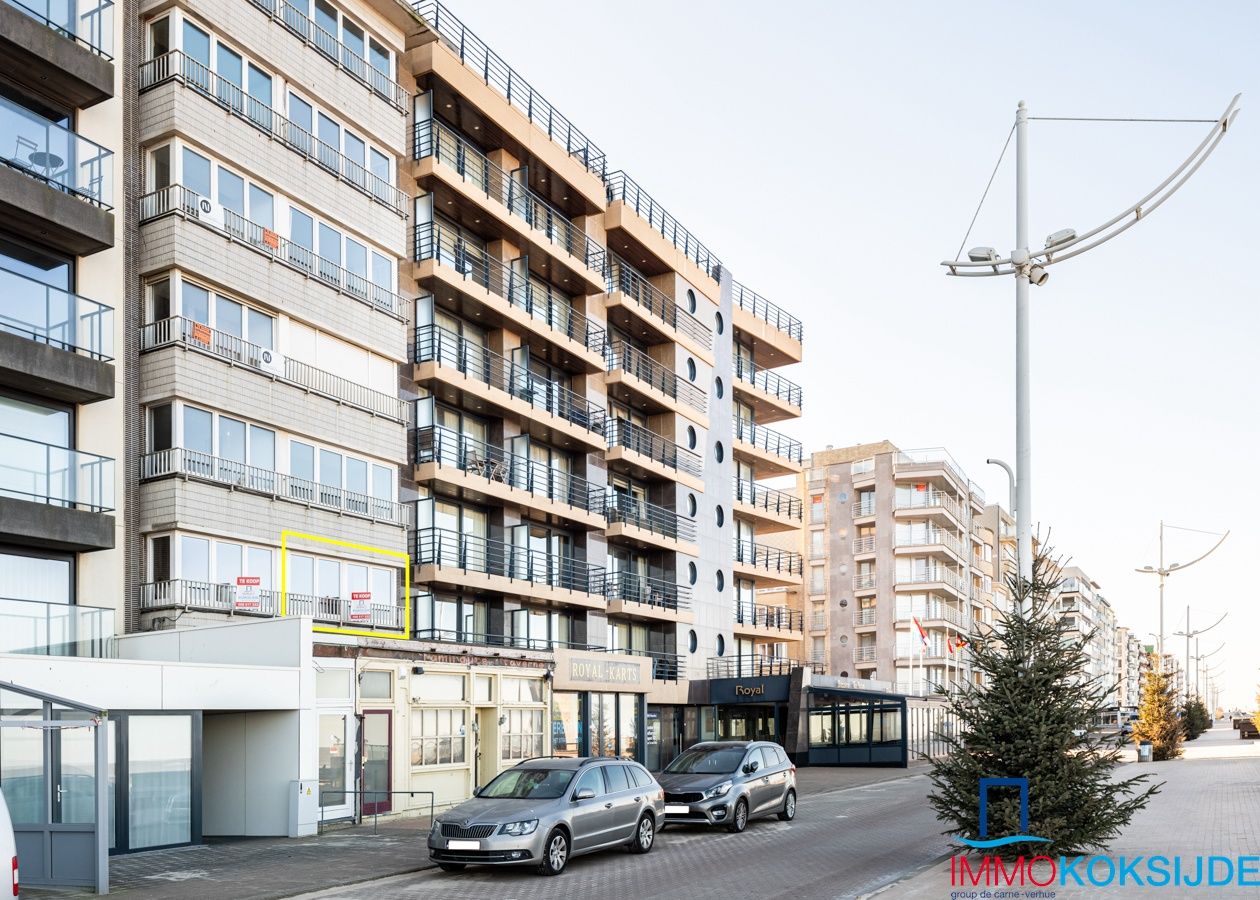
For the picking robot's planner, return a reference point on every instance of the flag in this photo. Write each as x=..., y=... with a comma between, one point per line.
x=922, y=633
x=949, y=642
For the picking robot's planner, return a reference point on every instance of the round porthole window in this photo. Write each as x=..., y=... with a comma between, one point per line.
x=691, y=437
x=721, y=517
x=718, y=322
x=691, y=301
x=691, y=509
x=721, y=581
x=691, y=369
x=692, y=573
x=692, y=641
x=718, y=451
x=721, y=645
x=718, y=388
x=844, y=639
x=843, y=602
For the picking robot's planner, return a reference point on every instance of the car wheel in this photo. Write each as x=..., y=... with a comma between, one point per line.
x=788, y=813
x=739, y=821
x=555, y=853
x=451, y=867
x=644, y=835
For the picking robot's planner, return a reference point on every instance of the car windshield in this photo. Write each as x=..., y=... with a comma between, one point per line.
x=528, y=784
x=707, y=761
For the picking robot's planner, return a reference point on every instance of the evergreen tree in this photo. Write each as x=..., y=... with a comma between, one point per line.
x=1033, y=719
x=1194, y=718
x=1157, y=714
x=1255, y=718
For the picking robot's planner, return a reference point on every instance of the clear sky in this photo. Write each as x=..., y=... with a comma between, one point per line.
x=832, y=153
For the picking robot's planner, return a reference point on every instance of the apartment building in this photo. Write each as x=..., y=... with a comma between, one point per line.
x=1085, y=614
x=1129, y=656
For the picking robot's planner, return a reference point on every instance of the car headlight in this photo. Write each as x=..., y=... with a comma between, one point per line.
x=719, y=790
x=435, y=827
x=520, y=829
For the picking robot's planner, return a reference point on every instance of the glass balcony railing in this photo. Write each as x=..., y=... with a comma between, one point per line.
x=622, y=187
x=432, y=241
x=932, y=458
x=623, y=508
x=179, y=67
x=635, y=588
x=55, y=629
x=56, y=155
x=434, y=443
x=90, y=24
x=211, y=597
x=768, y=559
x=770, y=500
x=763, y=309
x=768, y=381
x=436, y=344
x=55, y=317
x=623, y=278
x=471, y=553
x=495, y=72
x=769, y=440
x=57, y=476
x=277, y=485
x=633, y=361
x=623, y=433
x=780, y=618
x=177, y=200
x=929, y=499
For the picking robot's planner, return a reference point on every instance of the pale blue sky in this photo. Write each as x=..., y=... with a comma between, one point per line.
x=832, y=153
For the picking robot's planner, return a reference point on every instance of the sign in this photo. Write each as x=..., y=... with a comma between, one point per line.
x=210, y=212
x=271, y=239
x=248, y=593
x=201, y=333
x=583, y=670
x=361, y=606
x=770, y=689
x=271, y=361
x=604, y=671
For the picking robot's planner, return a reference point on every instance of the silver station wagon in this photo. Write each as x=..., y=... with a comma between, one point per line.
x=545, y=811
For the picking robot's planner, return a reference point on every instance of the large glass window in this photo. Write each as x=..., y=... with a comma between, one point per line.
x=159, y=780
x=22, y=761
x=25, y=577
x=522, y=736
x=332, y=759
x=566, y=723
x=437, y=737
x=628, y=726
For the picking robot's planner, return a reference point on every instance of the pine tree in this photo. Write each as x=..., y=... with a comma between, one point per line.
x=1033, y=719
x=1194, y=718
x=1157, y=714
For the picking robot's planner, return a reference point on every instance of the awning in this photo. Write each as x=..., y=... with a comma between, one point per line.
x=857, y=693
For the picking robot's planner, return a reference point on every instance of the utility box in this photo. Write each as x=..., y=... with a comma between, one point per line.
x=303, y=807
x=1144, y=751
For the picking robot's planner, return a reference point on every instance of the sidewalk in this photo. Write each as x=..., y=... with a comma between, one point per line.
x=1209, y=805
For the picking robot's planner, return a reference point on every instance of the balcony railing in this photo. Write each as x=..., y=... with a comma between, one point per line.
x=766, y=311
x=768, y=381
x=624, y=433
x=471, y=553
x=432, y=241
x=864, y=507
x=432, y=138
x=179, y=67
x=934, y=610
x=436, y=344
x=864, y=654
x=623, y=278
x=49, y=315
x=864, y=544
x=376, y=80
x=780, y=618
x=930, y=500
x=177, y=200
x=622, y=187
x=54, y=629
x=769, y=440
x=277, y=485
x=55, y=476
x=643, y=589
x=770, y=500
x=750, y=665
x=240, y=352
x=936, y=574
x=933, y=458
x=665, y=666
x=91, y=25
x=450, y=448
x=818, y=622
x=768, y=559
x=864, y=616
x=633, y=361
x=932, y=537
x=181, y=593
x=864, y=581
x=494, y=71
x=619, y=507
x=512, y=641
x=56, y=155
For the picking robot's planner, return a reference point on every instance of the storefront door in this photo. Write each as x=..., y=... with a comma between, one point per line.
x=336, y=774
x=377, y=761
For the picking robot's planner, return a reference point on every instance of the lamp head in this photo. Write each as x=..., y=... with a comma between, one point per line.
x=1060, y=237
x=982, y=254
x=1037, y=275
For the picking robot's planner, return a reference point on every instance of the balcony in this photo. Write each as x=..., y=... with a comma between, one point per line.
x=865, y=654
x=203, y=596
x=864, y=544
x=925, y=462
x=474, y=465
x=55, y=497
x=750, y=665
x=665, y=666
x=622, y=189
x=59, y=50
x=818, y=622
x=54, y=183
x=337, y=53
x=53, y=343
x=645, y=597
x=181, y=69
x=773, y=509
x=935, y=611
x=478, y=563
x=646, y=523
x=863, y=507
x=761, y=620
x=864, y=581
x=931, y=501
x=543, y=224
x=630, y=294
x=482, y=278
x=632, y=370
x=864, y=616
x=442, y=355
x=933, y=537
x=55, y=629
x=177, y=200
x=777, y=334
x=193, y=464
x=769, y=565
x=935, y=575
x=650, y=453
x=770, y=452
x=772, y=397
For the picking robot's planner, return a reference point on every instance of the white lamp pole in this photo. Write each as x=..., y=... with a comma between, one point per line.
x=1023, y=405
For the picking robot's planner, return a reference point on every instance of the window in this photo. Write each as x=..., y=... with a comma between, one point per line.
x=816, y=509
x=719, y=323
x=616, y=778
x=718, y=387
x=376, y=685
x=44, y=578
x=521, y=690
x=817, y=543
x=817, y=583
x=435, y=686
x=691, y=369
x=437, y=737
x=691, y=301
x=522, y=736
x=591, y=780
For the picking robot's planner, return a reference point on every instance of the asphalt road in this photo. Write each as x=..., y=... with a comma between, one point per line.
x=843, y=844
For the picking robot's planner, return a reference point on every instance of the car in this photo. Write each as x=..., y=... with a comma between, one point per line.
x=729, y=783
x=547, y=810
x=8, y=844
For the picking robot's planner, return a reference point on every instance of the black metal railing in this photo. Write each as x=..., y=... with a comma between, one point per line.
x=620, y=507
x=646, y=590
x=622, y=187
x=757, y=615
x=769, y=559
x=623, y=433
x=766, y=311
x=769, y=440
x=434, y=242
x=511, y=641
x=752, y=665
x=472, y=553
x=436, y=344
x=769, y=381
x=623, y=278
x=665, y=666
x=775, y=502
x=633, y=361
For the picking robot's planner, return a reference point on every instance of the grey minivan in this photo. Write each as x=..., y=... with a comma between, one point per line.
x=547, y=810
x=728, y=783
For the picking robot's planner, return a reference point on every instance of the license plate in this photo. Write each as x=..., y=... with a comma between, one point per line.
x=463, y=845
x=675, y=809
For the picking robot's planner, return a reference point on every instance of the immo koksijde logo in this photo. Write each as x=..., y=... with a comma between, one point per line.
x=1042, y=871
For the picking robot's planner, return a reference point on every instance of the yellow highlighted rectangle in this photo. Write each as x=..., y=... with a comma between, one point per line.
x=335, y=542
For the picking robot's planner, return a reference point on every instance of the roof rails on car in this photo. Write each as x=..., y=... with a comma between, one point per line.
x=583, y=760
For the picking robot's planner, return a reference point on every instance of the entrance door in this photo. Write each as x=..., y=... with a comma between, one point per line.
x=377, y=761
x=484, y=766
x=336, y=777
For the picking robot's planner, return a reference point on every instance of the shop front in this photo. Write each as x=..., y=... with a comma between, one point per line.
x=597, y=704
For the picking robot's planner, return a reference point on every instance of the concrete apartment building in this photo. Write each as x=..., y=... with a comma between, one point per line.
x=1129, y=655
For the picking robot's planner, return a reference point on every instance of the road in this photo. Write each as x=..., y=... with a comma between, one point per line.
x=843, y=844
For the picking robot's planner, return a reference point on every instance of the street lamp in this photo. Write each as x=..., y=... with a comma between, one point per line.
x=1029, y=267
x=1187, y=634
x=1010, y=479
x=1163, y=572
x=1198, y=658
